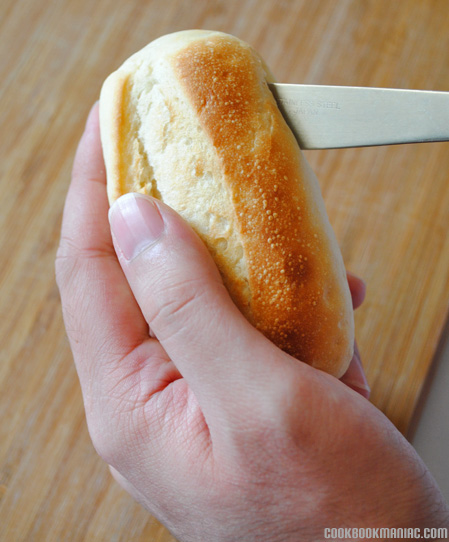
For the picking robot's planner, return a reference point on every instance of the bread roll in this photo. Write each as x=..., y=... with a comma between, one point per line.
x=190, y=120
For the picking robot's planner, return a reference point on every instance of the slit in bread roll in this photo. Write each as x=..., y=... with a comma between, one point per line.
x=190, y=120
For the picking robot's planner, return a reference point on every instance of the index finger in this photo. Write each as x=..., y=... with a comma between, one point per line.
x=103, y=320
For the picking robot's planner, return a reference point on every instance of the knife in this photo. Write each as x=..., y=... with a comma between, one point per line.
x=332, y=117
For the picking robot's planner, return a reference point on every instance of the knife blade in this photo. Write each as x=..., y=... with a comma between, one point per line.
x=332, y=117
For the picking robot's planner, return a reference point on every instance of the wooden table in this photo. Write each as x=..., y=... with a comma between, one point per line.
x=389, y=208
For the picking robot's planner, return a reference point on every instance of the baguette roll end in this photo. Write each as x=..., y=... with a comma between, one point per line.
x=190, y=120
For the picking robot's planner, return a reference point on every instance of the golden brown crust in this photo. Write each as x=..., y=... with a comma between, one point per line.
x=288, y=257
x=289, y=279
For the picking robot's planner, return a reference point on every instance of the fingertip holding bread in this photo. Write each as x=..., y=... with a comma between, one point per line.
x=190, y=120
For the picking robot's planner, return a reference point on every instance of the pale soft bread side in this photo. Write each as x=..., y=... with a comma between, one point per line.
x=190, y=120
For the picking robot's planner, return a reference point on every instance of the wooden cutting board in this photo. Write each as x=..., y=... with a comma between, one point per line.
x=389, y=208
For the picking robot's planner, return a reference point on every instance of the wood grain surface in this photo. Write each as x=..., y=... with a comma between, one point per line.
x=389, y=207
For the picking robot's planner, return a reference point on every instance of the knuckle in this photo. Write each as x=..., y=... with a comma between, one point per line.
x=71, y=250
x=75, y=263
x=117, y=418
x=176, y=305
x=68, y=259
x=114, y=429
x=104, y=445
x=180, y=300
x=275, y=426
x=64, y=260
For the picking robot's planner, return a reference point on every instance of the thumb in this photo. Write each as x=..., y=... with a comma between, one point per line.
x=183, y=299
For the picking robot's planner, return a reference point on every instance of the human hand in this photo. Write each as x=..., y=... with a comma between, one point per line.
x=213, y=429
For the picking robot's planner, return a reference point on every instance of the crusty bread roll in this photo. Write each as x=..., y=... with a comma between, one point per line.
x=190, y=120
